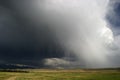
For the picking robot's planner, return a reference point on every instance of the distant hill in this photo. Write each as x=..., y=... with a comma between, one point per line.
x=16, y=66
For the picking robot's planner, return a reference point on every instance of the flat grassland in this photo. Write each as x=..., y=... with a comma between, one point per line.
x=49, y=74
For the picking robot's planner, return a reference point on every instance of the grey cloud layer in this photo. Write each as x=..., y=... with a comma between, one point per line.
x=58, y=33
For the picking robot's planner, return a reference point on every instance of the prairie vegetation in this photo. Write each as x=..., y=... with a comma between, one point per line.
x=54, y=74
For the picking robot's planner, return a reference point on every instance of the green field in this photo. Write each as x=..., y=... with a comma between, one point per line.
x=77, y=74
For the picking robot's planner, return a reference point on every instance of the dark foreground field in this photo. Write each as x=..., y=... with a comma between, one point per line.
x=44, y=74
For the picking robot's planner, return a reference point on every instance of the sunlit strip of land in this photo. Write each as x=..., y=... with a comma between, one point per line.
x=60, y=74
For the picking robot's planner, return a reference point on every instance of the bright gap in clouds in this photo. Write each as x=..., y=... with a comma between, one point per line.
x=107, y=35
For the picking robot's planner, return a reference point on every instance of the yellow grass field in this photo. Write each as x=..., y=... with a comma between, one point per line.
x=49, y=74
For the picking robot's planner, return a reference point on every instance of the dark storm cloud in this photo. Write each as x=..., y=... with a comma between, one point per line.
x=20, y=41
x=114, y=14
x=58, y=33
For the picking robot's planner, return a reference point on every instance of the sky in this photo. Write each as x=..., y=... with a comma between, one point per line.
x=60, y=33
